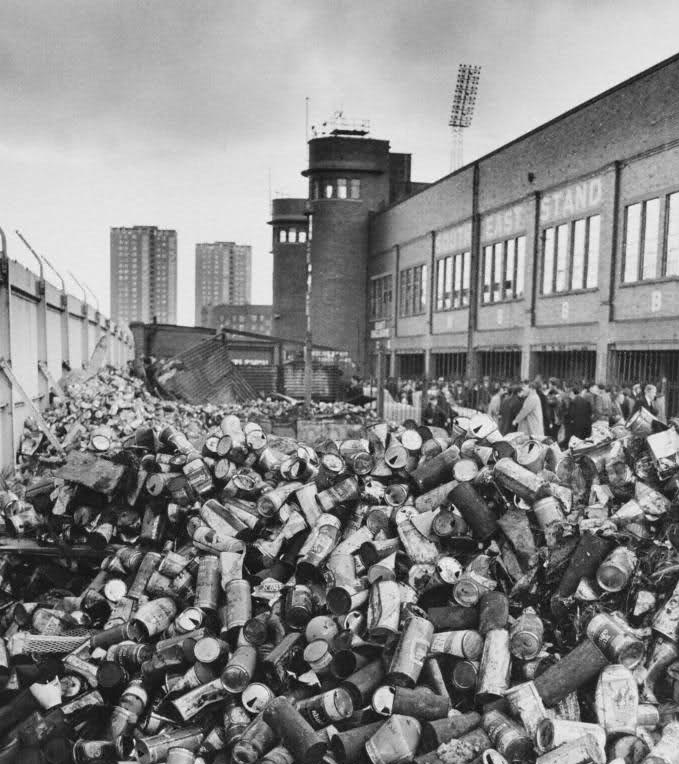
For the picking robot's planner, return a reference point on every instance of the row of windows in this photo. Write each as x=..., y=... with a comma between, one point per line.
x=380, y=297
x=651, y=248
x=292, y=235
x=503, y=270
x=336, y=188
x=412, y=298
x=570, y=259
x=452, y=281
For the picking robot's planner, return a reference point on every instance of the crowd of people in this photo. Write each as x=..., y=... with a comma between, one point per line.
x=541, y=407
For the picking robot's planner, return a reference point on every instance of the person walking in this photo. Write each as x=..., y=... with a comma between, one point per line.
x=496, y=402
x=579, y=415
x=529, y=419
x=509, y=408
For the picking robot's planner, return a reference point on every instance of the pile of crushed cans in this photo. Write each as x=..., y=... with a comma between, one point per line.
x=219, y=594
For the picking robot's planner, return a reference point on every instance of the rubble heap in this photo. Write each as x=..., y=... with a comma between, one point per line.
x=184, y=587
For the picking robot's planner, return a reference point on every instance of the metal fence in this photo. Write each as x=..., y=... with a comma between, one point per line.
x=450, y=365
x=500, y=364
x=43, y=331
x=571, y=366
x=630, y=367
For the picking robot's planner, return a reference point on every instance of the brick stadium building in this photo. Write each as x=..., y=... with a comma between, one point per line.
x=558, y=253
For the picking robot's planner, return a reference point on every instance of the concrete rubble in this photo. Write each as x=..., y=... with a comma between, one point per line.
x=179, y=585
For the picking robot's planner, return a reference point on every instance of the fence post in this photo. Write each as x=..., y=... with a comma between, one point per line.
x=43, y=382
x=65, y=337
x=380, y=380
x=85, y=334
x=7, y=442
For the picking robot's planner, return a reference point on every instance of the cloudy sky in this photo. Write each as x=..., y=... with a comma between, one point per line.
x=184, y=113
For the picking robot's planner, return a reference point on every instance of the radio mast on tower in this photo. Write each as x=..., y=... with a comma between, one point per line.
x=462, y=110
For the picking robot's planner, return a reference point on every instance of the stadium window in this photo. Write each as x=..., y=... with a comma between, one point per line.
x=570, y=256
x=301, y=237
x=671, y=264
x=503, y=276
x=328, y=189
x=282, y=235
x=641, y=240
x=381, y=297
x=444, y=268
x=413, y=291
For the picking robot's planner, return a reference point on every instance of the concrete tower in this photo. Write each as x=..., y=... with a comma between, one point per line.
x=349, y=177
x=289, y=224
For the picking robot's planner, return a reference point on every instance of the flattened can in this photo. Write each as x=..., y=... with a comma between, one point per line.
x=207, y=583
x=526, y=703
x=666, y=620
x=495, y=666
x=617, y=700
x=153, y=750
x=411, y=651
x=552, y=733
x=195, y=700
x=395, y=742
x=584, y=750
x=172, y=564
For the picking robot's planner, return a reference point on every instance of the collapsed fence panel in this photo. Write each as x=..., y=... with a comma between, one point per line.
x=25, y=302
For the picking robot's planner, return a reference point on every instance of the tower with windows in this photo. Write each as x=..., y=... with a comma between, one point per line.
x=350, y=176
x=289, y=234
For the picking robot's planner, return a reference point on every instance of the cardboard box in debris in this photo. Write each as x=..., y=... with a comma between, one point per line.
x=180, y=586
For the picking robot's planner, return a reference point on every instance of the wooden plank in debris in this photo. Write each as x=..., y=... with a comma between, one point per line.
x=97, y=474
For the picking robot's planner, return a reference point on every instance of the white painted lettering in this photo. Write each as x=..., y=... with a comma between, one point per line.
x=503, y=224
x=595, y=192
x=571, y=201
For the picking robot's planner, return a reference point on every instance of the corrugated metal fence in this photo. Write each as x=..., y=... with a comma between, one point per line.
x=41, y=328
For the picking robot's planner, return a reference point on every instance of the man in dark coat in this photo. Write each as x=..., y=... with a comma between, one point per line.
x=647, y=401
x=579, y=416
x=509, y=408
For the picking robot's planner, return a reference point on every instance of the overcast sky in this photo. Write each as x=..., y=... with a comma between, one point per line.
x=177, y=113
